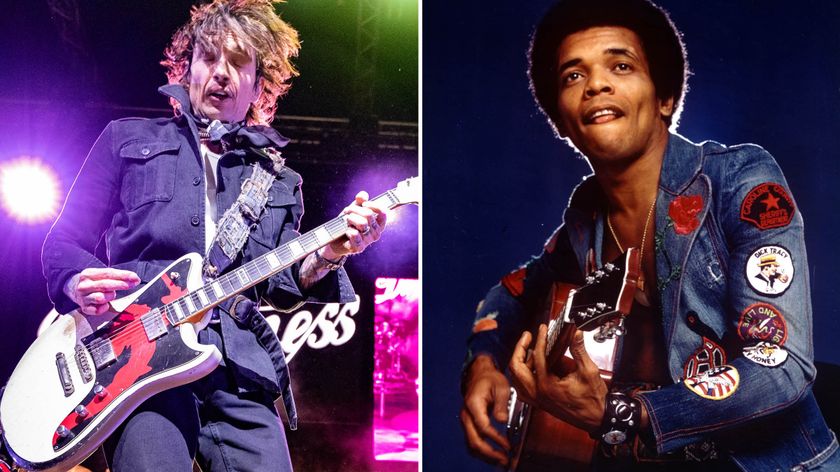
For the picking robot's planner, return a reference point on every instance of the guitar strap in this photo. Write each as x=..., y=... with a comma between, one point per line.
x=238, y=221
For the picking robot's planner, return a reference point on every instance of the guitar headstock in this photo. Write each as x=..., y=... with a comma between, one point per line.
x=607, y=295
x=407, y=192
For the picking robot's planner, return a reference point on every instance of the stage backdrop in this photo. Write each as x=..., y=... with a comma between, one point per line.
x=70, y=67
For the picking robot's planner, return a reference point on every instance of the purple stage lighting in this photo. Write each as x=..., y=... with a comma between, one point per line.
x=30, y=190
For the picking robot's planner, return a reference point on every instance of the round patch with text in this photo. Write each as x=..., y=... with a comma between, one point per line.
x=762, y=322
x=769, y=270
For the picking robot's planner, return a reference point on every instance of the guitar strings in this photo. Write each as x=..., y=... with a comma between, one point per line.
x=336, y=225
x=135, y=325
x=261, y=265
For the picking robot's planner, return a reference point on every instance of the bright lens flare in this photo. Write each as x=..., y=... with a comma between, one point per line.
x=30, y=190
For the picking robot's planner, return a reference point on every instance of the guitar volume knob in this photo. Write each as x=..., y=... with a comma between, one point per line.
x=100, y=391
x=81, y=411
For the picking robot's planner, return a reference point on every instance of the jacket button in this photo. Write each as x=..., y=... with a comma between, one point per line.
x=196, y=180
x=145, y=151
x=195, y=220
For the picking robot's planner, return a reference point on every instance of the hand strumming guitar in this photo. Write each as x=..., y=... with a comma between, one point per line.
x=485, y=389
x=577, y=398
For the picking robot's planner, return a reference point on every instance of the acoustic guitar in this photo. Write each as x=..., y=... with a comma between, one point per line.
x=540, y=441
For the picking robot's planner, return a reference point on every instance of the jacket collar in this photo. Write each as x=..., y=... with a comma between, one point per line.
x=258, y=136
x=681, y=164
x=680, y=167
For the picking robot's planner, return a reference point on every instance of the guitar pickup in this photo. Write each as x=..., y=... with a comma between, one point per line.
x=102, y=352
x=64, y=374
x=153, y=325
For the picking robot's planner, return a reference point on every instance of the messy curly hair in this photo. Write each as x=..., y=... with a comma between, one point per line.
x=257, y=26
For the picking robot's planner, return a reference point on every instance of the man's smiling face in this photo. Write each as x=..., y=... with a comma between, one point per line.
x=607, y=100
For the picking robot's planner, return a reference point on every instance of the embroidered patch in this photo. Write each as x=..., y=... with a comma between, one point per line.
x=486, y=323
x=768, y=206
x=707, y=357
x=770, y=270
x=715, y=384
x=515, y=282
x=766, y=354
x=763, y=322
x=683, y=211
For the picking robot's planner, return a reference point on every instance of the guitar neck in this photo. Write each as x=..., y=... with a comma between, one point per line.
x=248, y=275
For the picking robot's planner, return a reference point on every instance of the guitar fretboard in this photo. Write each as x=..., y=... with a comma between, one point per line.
x=254, y=272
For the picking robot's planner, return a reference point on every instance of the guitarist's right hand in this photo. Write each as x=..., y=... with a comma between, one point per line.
x=93, y=288
x=487, y=390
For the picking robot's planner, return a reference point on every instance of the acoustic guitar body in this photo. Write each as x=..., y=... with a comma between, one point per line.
x=540, y=441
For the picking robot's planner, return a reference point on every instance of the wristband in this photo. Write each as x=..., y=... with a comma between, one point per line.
x=331, y=265
x=622, y=417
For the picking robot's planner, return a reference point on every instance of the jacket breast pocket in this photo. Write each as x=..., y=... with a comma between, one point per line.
x=149, y=172
x=277, y=211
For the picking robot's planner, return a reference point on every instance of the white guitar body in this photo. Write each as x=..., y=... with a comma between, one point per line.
x=35, y=402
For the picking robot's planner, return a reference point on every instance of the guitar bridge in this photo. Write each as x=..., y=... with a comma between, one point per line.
x=82, y=364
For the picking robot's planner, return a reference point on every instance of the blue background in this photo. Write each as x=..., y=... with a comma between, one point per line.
x=497, y=181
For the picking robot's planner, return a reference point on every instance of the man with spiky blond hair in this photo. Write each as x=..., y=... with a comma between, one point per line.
x=160, y=188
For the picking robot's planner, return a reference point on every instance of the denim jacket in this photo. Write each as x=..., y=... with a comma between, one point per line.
x=716, y=221
x=142, y=189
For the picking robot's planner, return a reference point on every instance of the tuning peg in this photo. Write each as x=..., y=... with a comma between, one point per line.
x=601, y=335
x=598, y=274
x=600, y=306
x=590, y=280
x=620, y=330
x=609, y=267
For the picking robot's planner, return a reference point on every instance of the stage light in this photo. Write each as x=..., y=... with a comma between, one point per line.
x=30, y=190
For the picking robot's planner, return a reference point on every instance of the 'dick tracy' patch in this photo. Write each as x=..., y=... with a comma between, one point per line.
x=769, y=270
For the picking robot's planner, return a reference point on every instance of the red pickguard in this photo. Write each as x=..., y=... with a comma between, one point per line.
x=130, y=339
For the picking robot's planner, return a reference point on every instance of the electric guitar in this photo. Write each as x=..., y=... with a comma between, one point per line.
x=540, y=441
x=85, y=374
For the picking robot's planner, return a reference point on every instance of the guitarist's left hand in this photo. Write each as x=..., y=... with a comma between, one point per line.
x=577, y=398
x=365, y=221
